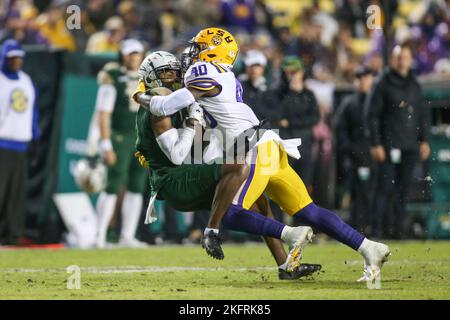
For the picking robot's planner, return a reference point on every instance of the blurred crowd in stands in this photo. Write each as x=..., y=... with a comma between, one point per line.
x=293, y=52
x=332, y=37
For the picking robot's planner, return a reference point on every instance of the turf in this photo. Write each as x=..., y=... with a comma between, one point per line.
x=416, y=270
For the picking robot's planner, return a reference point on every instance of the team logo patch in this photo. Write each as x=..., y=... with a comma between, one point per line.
x=216, y=40
x=19, y=101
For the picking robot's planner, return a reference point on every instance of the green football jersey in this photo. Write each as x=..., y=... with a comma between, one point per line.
x=124, y=114
x=146, y=142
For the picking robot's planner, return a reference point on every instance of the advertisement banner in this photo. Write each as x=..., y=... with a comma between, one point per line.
x=79, y=104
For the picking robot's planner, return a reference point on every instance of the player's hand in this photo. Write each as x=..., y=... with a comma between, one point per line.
x=378, y=153
x=424, y=151
x=139, y=90
x=110, y=157
x=195, y=111
x=160, y=91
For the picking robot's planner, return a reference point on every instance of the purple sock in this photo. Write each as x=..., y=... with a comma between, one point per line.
x=239, y=219
x=331, y=224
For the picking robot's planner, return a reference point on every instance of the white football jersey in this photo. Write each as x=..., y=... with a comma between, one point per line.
x=16, y=108
x=225, y=111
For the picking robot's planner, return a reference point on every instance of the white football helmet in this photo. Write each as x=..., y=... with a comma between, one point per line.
x=186, y=59
x=90, y=175
x=154, y=63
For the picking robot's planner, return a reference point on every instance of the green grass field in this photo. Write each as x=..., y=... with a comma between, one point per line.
x=417, y=270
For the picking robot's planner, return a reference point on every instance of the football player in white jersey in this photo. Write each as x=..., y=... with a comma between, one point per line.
x=210, y=82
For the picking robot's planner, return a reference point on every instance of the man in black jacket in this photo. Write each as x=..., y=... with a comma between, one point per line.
x=397, y=118
x=354, y=144
x=299, y=113
x=254, y=85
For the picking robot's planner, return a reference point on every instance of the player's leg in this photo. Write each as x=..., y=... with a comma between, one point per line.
x=275, y=246
x=106, y=203
x=231, y=178
x=277, y=250
x=193, y=187
x=132, y=204
x=265, y=161
x=287, y=189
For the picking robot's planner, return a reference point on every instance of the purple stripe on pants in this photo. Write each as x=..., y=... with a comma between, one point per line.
x=249, y=179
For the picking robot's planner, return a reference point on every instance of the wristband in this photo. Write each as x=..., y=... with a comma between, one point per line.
x=106, y=145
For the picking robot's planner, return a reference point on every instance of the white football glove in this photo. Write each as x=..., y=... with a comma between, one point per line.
x=195, y=111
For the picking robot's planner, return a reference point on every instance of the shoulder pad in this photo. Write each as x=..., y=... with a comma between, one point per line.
x=105, y=76
x=111, y=66
x=203, y=70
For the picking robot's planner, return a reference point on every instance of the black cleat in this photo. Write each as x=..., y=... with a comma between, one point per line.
x=211, y=243
x=303, y=270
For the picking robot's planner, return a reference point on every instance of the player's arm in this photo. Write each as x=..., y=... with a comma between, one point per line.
x=195, y=88
x=105, y=101
x=176, y=143
x=167, y=105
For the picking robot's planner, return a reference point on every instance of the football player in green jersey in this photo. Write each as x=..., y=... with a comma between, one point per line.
x=117, y=119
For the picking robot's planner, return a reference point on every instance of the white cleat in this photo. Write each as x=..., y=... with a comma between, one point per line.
x=370, y=274
x=375, y=255
x=302, y=235
x=132, y=243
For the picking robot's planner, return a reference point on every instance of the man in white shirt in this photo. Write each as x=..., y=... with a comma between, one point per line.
x=18, y=126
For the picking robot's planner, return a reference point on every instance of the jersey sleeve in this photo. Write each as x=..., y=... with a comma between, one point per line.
x=106, y=98
x=203, y=76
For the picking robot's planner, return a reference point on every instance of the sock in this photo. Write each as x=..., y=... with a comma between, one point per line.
x=105, y=209
x=365, y=246
x=131, y=211
x=283, y=266
x=331, y=224
x=286, y=234
x=207, y=230
x=239, y=219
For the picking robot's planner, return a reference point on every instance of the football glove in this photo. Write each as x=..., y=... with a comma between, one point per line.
x=195, y=111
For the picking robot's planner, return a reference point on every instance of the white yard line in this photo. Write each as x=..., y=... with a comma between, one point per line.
x=403, y=262
x=134, y=269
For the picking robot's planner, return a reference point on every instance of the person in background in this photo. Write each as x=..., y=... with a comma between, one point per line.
x=398, y=125
x=87, y=28
x=254, y=85
x=299, y=113
x=108, y=40
x=190, y=13
x=239, y=14
x=132, y=20
x=21, y=26
x=353, y=142
x=99, y=11
x=18, y=126
x=322, y=86
x=116, y=115
x=346, y=61
x=353, y=13
x=307, y=44
x=52, y=25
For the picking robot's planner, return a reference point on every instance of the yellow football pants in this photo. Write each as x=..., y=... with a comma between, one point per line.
x=270, y=172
